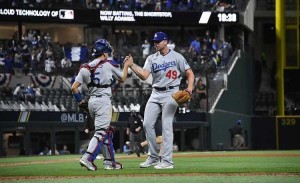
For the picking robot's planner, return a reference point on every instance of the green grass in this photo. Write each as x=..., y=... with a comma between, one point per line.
x=242, y=166
x=173, y=179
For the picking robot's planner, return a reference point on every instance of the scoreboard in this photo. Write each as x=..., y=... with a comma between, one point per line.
x=288, y=132
x=96, y=16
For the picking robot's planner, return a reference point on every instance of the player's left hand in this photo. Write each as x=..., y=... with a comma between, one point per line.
x=83, y=107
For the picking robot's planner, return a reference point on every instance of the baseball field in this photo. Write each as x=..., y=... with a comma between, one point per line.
x=218, y=166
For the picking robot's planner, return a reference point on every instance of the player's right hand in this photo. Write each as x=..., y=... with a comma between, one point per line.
x=128, y=60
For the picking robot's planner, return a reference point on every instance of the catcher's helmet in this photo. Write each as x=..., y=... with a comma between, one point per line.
x=101, y=46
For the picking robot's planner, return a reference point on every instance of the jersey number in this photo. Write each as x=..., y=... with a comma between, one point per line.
x=95, y=79
x=171, y=74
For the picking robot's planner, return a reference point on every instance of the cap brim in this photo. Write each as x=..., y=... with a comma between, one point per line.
x=158, y=40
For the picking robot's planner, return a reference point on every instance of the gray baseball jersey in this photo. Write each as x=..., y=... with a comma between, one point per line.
x=166, y=71
x=100, y=106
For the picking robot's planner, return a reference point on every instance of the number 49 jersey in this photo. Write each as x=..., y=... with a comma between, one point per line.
x=166, y=70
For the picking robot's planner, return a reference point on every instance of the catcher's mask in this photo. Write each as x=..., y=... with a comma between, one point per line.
x=100, y=47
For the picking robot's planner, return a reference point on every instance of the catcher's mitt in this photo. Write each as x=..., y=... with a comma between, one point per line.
x=83, y=107
x=182, y=96
x=89, y=124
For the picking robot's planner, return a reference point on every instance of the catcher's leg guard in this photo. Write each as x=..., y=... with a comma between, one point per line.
x=109, y=153
x=108, y=147
x=95, y=145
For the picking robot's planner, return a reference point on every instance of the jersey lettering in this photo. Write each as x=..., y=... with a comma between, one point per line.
x=171, y=74
x=162, y=67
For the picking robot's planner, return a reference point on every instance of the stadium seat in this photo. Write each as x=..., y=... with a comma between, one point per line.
x=3, y=106
x=44, y=106
x=31, y=107
x=132, y=107
x=115, y=109
x=126, y=109
x=56, y=109
x=23, y=107
x=50, y=105
x=137, y=107
x=120, y=108
x=16, y=106
x=62, y=108
x=129, y=91
x=37, y=106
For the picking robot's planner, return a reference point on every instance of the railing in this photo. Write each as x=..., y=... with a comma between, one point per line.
x=64, y=83
x=218, y=83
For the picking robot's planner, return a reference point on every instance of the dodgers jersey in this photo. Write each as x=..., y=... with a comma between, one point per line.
x=103, y=75
x=166, y=70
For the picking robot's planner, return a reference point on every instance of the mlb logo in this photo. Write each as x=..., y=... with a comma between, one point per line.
x=66, y=14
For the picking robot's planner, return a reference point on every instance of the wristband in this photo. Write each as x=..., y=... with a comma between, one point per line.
x=77, y=97
x=190, y=92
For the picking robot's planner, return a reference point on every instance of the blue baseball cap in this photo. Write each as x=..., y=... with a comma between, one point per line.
x=159, y=36
x=239, y=122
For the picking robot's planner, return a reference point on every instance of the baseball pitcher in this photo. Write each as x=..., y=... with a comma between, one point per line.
x=166, y=67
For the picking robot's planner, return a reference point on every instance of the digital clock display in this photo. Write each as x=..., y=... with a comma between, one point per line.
x=208, y=17
x=227, y=17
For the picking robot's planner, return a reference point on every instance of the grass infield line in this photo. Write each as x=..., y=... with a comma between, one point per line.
x=218, y=163
x=149, y=175
x=179, y=155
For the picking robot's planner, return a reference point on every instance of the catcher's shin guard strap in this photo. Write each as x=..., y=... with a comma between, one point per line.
x=108, y=148
x=100, y=136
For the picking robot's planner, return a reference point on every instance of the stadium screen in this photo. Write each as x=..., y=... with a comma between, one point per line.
x=117, y=17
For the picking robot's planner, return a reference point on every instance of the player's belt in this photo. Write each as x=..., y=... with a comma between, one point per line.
x=165, y=88
x=96, y=96
x=98, y=86
x=103, y=86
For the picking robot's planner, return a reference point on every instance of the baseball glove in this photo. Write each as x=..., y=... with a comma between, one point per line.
x=89, y=124
x=182, y=96
x=83, y=107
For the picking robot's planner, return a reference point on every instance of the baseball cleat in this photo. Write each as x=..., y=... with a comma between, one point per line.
x=149, y=162
x=164, y=165
x=89, y=165
x=111, y=165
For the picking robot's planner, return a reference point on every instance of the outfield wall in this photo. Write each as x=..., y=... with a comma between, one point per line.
x=33, y=130
x=237, y=102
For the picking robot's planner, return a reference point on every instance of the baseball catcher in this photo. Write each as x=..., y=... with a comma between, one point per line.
x=182, y=96
x=97, y=75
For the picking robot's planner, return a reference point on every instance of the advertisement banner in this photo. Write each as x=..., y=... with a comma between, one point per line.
x=74, y=117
